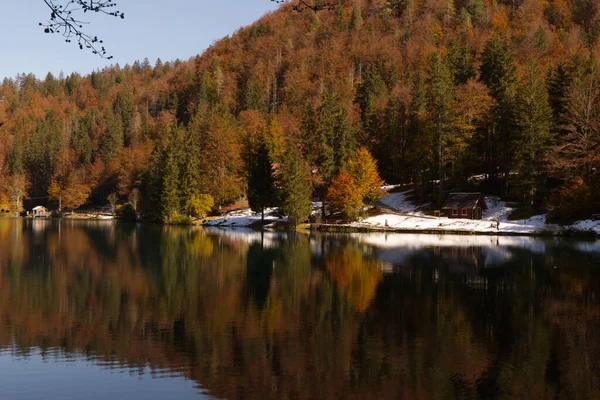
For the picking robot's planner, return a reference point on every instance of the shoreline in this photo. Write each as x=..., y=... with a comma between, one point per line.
x=340, y=228
x=335, y=228
x=344, y=228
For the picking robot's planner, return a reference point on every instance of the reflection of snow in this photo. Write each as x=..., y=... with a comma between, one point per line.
x=269, y=239
x=397, y=248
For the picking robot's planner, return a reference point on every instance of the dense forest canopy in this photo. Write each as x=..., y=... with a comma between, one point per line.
x=439, y=91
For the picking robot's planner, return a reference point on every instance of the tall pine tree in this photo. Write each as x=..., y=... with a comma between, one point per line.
x=534, y=117
x=261, y=188
x=295, y=186
x=440, y=107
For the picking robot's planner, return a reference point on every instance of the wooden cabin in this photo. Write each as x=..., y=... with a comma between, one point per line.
x=465, y=205
x=41, y=212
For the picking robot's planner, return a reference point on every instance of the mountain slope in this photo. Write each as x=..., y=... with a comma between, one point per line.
x=437, y=90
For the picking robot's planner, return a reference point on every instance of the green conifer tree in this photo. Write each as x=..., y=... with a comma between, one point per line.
x=170, y=199
x=498, y=72
x=440, y=90
x=534, y=117
x=261, y=187
x=295, y=186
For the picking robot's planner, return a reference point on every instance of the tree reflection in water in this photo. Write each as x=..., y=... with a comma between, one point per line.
x=270, y=315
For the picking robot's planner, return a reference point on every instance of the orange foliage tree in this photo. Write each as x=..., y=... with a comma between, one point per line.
x=344, y=196
x=356, y=186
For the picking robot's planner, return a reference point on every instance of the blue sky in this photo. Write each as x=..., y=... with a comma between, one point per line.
x=168, y=29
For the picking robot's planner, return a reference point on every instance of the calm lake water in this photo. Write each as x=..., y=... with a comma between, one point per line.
x=101, y=310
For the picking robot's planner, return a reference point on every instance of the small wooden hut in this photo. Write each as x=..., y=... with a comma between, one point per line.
x=465, y=205
x=40, y=212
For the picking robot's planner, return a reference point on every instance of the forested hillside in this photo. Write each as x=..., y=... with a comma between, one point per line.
x=437, y=90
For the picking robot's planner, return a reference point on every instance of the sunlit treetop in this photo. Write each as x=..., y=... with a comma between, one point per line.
x=67, y=19
x=314, y=5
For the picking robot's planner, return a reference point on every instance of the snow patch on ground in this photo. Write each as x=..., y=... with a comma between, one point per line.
x=404, y=215
x=495, y=219
x=399, y=202
x=244, y=218
x=587, y=225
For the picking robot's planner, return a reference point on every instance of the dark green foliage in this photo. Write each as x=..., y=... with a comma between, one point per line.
x=127, y=213
x=462, y=62
x=15, y=156
x=498, y=69
x=254, y=96
x=161, y=182
x=170, y=200
x=124, y=109
x=391, y=149
x=420, y=159
x=439, y=104
x=258, y=30
x=369, y=91
x=261, y=188
x=80, y=140
x=112, y=140
x=310, y=143
x=336, y=139
x=534, y=118
x=295, y=186
x=498, y=72
x=152, y=183
x=558, y=89
x=42, y=149
x=51, y=85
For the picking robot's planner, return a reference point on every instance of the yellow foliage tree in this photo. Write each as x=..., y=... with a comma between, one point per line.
x=344, y=195
x=363, y=169
x=200, y=205
x=4, y=203
x=274, y=139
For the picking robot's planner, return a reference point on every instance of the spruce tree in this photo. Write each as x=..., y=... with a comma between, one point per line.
x=534, y=119
x=559, y=81
x=440, y=107
x=170, y=199
x=308, y=128
x=261, y=188
x=152, y=182
x=15, y=155
x=295, y=186
x=498, y=72
x=254, y=96
x=112, y=141
x=336, y=141
x=335, y=137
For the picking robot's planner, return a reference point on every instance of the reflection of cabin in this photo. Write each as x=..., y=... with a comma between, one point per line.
x=40, y=212
x=464, y=205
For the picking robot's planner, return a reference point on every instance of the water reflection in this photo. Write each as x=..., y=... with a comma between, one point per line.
x=247, y=314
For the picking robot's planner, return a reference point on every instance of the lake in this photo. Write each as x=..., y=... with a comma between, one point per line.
x=101, y=310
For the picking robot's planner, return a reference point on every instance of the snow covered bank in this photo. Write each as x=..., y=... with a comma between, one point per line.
x=400, y=214
x=405, y=216
x=244, y=218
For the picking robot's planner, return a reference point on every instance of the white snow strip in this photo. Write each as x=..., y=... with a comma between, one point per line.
x=495, y=219
x=243, y=218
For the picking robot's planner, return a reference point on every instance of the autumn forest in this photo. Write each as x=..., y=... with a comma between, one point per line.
x=437, y=91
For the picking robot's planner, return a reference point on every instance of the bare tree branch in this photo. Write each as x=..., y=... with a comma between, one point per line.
x=66, y=20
